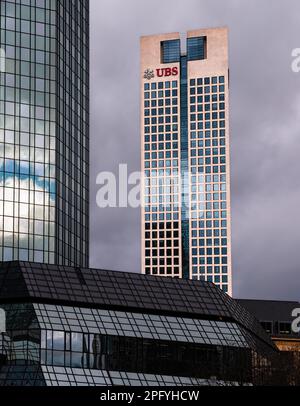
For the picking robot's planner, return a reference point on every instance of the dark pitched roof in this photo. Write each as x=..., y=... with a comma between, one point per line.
x=29, y=282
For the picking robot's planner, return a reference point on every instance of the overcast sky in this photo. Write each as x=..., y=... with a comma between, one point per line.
x=265, y=130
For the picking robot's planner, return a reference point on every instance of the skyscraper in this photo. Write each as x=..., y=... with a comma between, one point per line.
x=44, y=131
x=185, y=156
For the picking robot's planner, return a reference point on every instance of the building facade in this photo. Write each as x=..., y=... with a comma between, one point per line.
x=277, y=317
x=186, y=216
x=44, y=131
x=76, y=327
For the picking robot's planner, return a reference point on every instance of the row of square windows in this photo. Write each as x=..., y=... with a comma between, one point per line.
x=175, y=119
x=198, y=191
x=171, y=230
x=208, y=224
x=221, y=281
x=213, y=99
x=166, y=103
x=161, y=85
x=165, y=198
x=167, y=215
x=172, y=176
x=165, y=155
x=169, y=243
x=215, y=256
x=193, y=82
x=200, y=169
x=210, y=252
x=162, y=203
x=161, y=120
x=208, y=215
x=167, y=189
x=207, y=90
x=166, y=111
x=162, y=217
x=209, y=136
x=202, y=270
x=210, y=269
x=207, y=201
x=161, y=244
x=163, y=211
x=209, y=242
x=210, y=103
x=161, y=94
x=210, y=260
x=218, y=155
x=166, y=144
x=169, y=270
x=207, y=81
x=216, y=124
x=208, y=125
x=167, y=204
x=162, y=254
x=162, y=261
x=160, y=97
x=208, y=116
x=200, y=101
x=167, y=163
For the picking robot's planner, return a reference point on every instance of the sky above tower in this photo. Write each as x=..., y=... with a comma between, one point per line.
x=265, y=121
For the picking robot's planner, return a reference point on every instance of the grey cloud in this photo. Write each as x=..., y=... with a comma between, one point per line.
x=265, y=119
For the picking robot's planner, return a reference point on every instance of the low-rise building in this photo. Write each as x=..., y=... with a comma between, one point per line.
x=72, y=327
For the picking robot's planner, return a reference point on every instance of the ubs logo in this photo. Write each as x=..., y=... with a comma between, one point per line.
x=167, y=72
x=160, y=73
x=149, y=74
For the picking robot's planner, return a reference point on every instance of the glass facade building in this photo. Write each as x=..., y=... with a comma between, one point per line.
x=44, y=131
x=186, y=218
x=84, y=327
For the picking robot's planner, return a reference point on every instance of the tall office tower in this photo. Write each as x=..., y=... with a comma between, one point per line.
x=44, y=131
x=185, y=156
